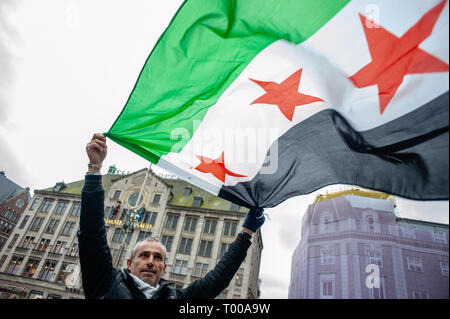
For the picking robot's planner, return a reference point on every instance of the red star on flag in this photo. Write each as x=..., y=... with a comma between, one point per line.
x=285, y=95
x=393, y=57
x=215, y=167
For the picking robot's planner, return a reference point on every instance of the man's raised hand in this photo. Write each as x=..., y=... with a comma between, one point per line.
x=96, y=150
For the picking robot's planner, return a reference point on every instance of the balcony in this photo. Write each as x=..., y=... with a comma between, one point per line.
x=22, y=250
x=37, y=253
x=71, y=259
x=53, y=255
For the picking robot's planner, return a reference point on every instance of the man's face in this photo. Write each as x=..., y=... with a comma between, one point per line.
x=148, y=262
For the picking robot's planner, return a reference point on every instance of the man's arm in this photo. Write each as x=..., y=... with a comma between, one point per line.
x=95, y=257
x=220, y=277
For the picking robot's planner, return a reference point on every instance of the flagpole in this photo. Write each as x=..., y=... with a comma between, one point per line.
x=142, y=187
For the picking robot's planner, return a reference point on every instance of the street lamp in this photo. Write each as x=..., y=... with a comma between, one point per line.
x=131, y=217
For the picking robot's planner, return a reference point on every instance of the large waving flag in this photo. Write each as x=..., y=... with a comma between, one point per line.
x=261, y=100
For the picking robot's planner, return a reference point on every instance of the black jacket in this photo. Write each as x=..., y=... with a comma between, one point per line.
x=102, y=280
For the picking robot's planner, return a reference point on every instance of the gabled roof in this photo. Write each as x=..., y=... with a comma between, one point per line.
x=75, y=188
x=210, y=201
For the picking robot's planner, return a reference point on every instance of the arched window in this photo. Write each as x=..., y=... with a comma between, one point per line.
x=370, y=223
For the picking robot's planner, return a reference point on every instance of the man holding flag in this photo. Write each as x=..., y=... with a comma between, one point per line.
x=142, y=278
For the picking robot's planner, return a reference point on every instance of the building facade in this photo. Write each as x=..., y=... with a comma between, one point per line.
x=40, y=260
x=354, y=246
x=13, y=201
x=10, y=212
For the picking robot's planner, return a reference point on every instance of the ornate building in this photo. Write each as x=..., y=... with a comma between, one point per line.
x=41, y=258
x=354, y=246
x=13, y=201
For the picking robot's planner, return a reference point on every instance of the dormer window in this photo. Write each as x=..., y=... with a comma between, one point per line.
x=235, y=207
x=198, y=201
x=59, y=187
x=156, y=198
x=187, y=191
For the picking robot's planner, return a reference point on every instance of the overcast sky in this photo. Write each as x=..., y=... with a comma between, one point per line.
x=66, y=70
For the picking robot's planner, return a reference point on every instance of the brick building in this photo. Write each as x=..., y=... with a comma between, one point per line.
x=13, y=201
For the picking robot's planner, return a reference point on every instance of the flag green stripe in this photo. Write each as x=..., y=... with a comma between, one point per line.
x=204, y=49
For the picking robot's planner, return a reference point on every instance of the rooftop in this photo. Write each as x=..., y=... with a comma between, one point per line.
x=349, y=190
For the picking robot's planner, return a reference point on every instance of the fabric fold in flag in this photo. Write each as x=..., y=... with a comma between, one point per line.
x=257, y=106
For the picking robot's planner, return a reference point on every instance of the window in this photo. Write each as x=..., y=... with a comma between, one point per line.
x=190, y=223
x=43, y=245
x=171, y=221
x=235, y=207
x=150, y=217
x=327, y=255
x=14, y=265
x=230, y=228
x=31, y=267
x=439, y=237
x=46, y=205
x=118, y=235
x=327, y=286
x=62, y=273
x=200, y=269
x=325, y=223
x=198, y=201
x=12, y=243
x=34, y=294
x=128, y=238
x=185, y=246
x=75, y=211
x=238, y=278
x=68, y=228
x=24, y=222
x=156, y=198
x=414, y=264
x=205, y=248
x=223, y=249
x=48, y=270
x=61, y=207
x=108, y=212
x=374, y=256
x=142, y=235
x=370, y=223
x=59, y=247
x=187, y=191
x=20, y=203
x=180, y=267
x=52, y=226
x=74, y=250
x=210, y=226
x=124, y=214
x=34, y=203
x=27, y=242
x=167, y=241
x=36, y=225
x=444, y=268
x=117, y=194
